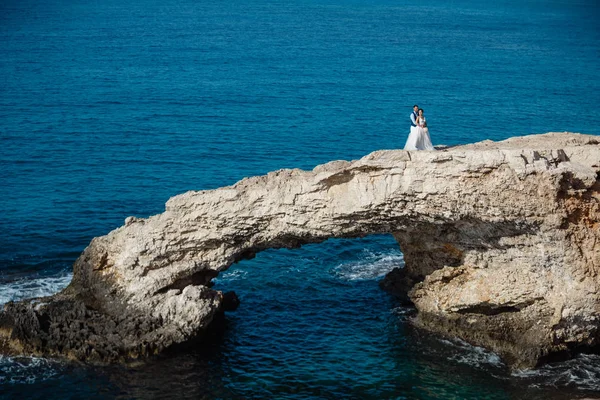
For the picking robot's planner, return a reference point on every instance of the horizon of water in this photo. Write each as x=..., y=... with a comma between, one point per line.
x=109, y=108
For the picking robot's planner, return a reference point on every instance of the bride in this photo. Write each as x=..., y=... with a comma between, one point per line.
x=419, y=136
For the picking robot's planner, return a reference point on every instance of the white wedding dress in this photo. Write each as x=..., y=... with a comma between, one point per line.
x=419, y=139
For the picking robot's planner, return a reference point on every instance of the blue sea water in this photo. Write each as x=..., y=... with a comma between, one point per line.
x=108, y=108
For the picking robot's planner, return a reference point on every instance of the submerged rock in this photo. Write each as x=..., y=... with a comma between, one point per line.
x=501, y=242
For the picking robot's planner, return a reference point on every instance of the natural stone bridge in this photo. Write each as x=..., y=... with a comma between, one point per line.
x=501, y=243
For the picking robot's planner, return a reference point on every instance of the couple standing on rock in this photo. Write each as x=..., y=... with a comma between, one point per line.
x=419, y=133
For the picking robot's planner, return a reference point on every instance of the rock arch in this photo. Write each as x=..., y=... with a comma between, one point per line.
x=501, y=243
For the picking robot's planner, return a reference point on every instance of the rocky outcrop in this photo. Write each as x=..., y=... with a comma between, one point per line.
x=501, y=242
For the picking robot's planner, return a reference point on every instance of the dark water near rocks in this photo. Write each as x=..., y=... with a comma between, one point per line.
x=108, y=108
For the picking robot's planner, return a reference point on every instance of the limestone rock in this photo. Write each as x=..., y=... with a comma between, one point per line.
x=501, y=242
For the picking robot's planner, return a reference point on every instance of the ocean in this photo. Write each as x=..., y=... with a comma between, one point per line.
x=108, y=108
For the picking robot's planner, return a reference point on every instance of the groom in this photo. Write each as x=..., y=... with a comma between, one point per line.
x=413, y=118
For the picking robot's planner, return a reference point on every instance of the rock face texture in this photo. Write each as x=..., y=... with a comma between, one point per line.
x=501, y=242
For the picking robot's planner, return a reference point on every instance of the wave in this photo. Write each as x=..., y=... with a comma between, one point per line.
x=581, y=372
x=232, y=275
x=28, y=370
x=370, y=266
x=33, y=287
x=472, y=355
x=403, y=313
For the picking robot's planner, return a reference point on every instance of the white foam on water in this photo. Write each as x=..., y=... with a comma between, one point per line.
x=33, y=287
x=473, y=355
x=28, y=370
x=581, y=372
x=370, y=266
x=231, y=275
x=403, y=313
x=402, y=310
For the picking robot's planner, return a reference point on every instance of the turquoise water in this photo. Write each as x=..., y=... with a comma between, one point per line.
x=109, y=108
